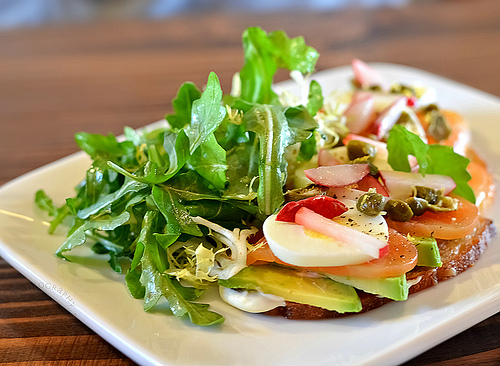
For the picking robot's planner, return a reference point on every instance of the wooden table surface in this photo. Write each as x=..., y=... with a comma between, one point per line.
x=57, y=80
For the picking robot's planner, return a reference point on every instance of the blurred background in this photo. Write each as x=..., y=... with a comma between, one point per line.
x=17, y=13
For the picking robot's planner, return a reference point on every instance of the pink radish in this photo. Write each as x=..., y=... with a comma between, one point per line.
x=400, y=184
x=388, y=117
x=366, y=76
x=365, y=243
x=325, y=158
x=359, y=113
x=338, y=175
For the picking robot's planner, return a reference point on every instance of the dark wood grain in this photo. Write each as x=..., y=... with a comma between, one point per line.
x=57, y=80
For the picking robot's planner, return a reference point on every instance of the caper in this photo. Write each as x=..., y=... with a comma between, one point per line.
x=429, y=194
x=417, y=205
x=366, y=160
x=370, y=203
x=439, y=127
x=398, y=210
x=357, y=149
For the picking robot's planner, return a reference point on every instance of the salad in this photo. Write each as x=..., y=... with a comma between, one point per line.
x=260, y=191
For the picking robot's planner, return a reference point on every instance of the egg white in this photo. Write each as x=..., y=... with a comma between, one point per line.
x=296, y=245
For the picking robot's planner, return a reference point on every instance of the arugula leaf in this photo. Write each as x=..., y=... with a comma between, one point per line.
x=144, y=235
x=270, y=124
x=182, y=104
x=176, y=215
x=129, y=186
x=432, y=159
x=244, y=162
x=402, y=143
x=132, y=279
x=443, y=160
x=78, y=237
x=45, y=203
x=132, y=135
x=264, y=54
x=158, y=284
x=209, y=161
x=101, y=147
x=177, y=153
x=207, y=113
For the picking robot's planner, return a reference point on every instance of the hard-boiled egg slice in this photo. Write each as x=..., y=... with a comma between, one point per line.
x=297, y=245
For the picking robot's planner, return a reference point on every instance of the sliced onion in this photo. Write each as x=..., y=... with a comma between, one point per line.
x=388, y=117
x=367, y=244
x=400, y=184
x=338, y=175
x=367, y=76
x=359, y=113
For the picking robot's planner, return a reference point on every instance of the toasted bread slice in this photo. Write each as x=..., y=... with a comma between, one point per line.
x=456, y=255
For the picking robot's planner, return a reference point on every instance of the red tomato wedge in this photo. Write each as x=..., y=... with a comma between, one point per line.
x=442, y=225
x=402, y=257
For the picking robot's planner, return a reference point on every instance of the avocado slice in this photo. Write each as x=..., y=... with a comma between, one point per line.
x=395, y=288
x=295, y=286
x=428, y=251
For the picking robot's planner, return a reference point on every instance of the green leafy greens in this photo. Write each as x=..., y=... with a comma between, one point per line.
x=175, y=204
x=171, y=208
x=432, y=159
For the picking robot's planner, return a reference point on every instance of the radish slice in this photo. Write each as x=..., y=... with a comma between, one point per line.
x=342, y=193
x=400, y=184
x=359, y=113
x=365, y=243
x=384, y=100
x=366, y=76
x=388, y=117
x=326, y=158
x=377, y=144
x=338, y=175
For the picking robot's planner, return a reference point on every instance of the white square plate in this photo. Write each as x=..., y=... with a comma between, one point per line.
x=385, y=336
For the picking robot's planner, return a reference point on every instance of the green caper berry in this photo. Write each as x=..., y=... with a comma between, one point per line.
x=366, y=160
x=358, y=149
x=370, y=203
x=429, y=194
x=398, y=210
x=438, y=128
x=417, y=205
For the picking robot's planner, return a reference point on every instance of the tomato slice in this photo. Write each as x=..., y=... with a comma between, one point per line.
x=441, y=225
x=402, y=257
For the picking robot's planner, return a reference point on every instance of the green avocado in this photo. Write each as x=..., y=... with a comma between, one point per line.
x=428, y=251
x=395, y=288
x=296, y=286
